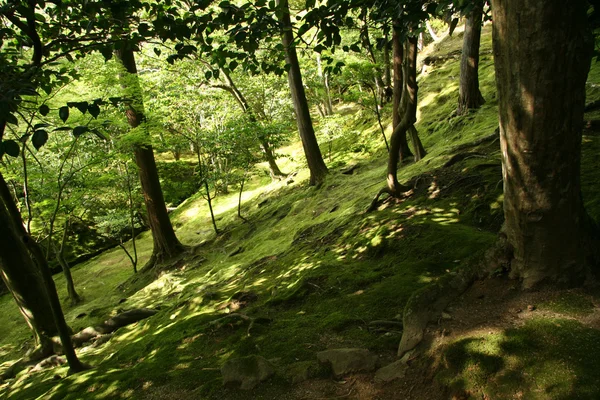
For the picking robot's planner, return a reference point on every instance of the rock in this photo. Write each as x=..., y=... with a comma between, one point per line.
x=447, y=316
x=344, y=361
x=530, y=308
x=391, y=372
x=246, y=371
x=301, y=371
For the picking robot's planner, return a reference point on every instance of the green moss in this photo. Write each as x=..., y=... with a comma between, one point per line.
x=570, y=303
x=544, y=359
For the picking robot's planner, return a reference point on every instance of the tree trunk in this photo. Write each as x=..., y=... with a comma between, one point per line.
x=316, y=165
x=469, y=95
x=387, y=65
x=20, y=275
x=73, y=295
x=542, y=52
x=166, y=244
x=404, y=150
x=36, y=302
x=409, y=116
x=264, y=143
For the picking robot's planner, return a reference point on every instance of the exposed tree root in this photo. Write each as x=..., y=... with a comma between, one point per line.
x=489, y=138
x=462, y=156
x=110, y=325
x=402, y=191
x=219, y=323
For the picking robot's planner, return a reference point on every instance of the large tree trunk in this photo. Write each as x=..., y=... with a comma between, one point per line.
x=166, y=244
x=542, y=52
x=469, y=95
x=36, y=302
x=398, y=49
x=316, y=165
x=21, y=277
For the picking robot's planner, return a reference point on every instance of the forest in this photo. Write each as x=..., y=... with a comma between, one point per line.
x=299, y=199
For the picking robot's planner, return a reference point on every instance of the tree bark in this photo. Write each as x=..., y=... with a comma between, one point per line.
x=73, y=295
x=542, y=52
x=314, y=158
x=21, y=276
x=469, y=95
x=398, y=49
x=409, y=116
x=387, y=65
x=166, y=244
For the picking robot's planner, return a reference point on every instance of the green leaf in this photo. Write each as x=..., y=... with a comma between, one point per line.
x=11, y=148
x=208, y=75
x=82, y=106
x=63, y=128
x=44, y=110
x=40, y=137
x=157, y=51
x=233, y=65
x=11, y=119
x=63, y=113
x=79, y=130
x=94, y=110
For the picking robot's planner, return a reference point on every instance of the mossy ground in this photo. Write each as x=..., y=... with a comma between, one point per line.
x=316, y=268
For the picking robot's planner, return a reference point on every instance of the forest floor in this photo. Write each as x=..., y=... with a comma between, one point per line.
x=314, y=271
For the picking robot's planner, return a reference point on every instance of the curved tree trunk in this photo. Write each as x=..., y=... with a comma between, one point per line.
x=409, y=116
x=316, y=165
x=21, y=277
x=398, y=49
x=469, y=95
x=542, y=51
x=73, y=295
x=166, y=244
x=19, y=272
x=232, y=88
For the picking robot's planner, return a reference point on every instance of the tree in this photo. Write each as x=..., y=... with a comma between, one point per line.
x=542, y=52
x=398, y=49
x=166, y=244
x=469, y=95
x=316, y=165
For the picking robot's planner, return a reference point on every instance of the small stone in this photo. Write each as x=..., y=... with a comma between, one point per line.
x=345, y=361
x=446, y=316
x=395, y=370
x=246, y=371
x=530, y=307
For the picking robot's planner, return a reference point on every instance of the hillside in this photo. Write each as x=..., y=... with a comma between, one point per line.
x=310, y=270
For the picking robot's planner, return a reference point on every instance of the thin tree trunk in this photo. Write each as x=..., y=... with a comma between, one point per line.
x=542, y=53
x=469, y=95
x=404, y=150
x=232, y=88
x=431, y=32
x=314, y=158
x=166, y=244
x=387, y=64
x=409, y=108
x=73, y=296
x=212, y=213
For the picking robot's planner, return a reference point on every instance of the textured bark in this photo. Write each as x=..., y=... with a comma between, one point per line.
x=469, y=95
x=316, y=165
x=409, y=116
x=166, y=244
x=20, y=275
x=398, y=49
x=542, y=51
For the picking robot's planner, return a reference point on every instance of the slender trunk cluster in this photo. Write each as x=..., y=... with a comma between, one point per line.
x=314, y=158
x=469, y=95
x=541, y=98
x=166, y=244
x=398, y=57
